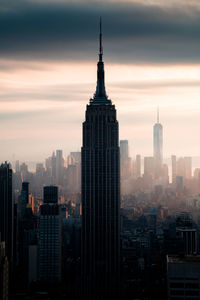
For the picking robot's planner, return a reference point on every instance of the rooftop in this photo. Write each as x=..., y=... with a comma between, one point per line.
x=183, y=259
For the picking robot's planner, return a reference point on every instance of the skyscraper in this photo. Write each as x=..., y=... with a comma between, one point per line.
x=4, y=272
x=173, y=158
x=149, y=166
x=6, y=209
x=138, y=166
x=124, y=150
x=125, y=160
x=24, y=198
x=59, y=167
x=50, y=236
x=158, y=147
x=100, y=194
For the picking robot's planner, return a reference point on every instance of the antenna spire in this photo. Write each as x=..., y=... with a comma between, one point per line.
x=100, y=41
x=158, y=114
x=100, y=96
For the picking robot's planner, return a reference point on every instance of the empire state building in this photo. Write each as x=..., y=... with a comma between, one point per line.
x=100, y=194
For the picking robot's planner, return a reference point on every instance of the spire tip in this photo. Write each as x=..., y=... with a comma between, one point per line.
x=158, y=114
x=100, y=41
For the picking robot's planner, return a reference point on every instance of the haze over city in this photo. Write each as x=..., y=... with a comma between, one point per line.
x=99, y=150
x=48, y=73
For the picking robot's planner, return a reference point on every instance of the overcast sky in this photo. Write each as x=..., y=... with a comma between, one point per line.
x=48, y=56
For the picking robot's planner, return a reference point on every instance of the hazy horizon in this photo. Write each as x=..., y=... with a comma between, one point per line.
x=48, y=73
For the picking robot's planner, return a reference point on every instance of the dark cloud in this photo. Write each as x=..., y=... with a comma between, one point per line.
x=132, y=32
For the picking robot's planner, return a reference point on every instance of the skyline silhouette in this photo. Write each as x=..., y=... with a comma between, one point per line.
x=103, y=214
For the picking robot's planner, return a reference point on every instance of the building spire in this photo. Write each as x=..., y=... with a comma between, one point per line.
x=158, y=114
x=100, y=41
x=100, y=96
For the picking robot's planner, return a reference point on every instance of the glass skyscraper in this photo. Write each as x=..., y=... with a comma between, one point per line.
x=158, y=147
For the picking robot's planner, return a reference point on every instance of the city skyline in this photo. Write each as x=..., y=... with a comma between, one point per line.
x=41, y=85
x=110, y=209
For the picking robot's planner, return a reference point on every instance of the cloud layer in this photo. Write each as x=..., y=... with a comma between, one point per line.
x=133, y=31
x=48, y=53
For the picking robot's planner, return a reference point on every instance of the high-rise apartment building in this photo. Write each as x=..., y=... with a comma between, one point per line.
x=100, y=195
x=50, y=237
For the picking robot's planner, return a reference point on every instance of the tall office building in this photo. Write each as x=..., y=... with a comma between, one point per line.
x=173, y=158
x=53, y=166
x=158, y=147
x=6, y=209
x=138, y=166
x=100, y=195
x=4, y=272
x=124, y=150
x=17, y=168
x=184, y=167
x=125, y=160
x=59, y=167
x=74, y=172
x=27, y=241
x=149, y=166
x=24, y=198
x=188, y=167
x=50, y=194
x=50, y=237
